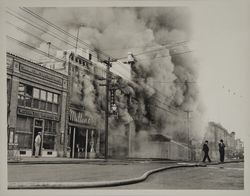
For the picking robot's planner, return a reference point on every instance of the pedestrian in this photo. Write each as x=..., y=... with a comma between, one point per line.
x=222, y=151
x=206, y=150
x=37, y=144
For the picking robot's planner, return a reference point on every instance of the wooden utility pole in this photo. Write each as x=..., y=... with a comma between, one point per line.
x=188, y=112
x=108, y=65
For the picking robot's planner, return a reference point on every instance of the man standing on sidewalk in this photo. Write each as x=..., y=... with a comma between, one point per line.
x=37, y=144
x=222, y=151
x=206, y=150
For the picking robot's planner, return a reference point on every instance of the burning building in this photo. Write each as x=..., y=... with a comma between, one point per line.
x=150, y=100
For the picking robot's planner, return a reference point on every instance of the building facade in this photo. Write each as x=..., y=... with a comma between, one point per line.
x=37, y=99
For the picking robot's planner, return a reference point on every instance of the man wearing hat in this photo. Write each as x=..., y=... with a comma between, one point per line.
x=222, y=151
x=205, y=149
x=37, y=144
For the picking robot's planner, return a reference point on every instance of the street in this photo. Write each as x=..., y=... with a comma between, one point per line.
x=229, y=177
x=226, y=176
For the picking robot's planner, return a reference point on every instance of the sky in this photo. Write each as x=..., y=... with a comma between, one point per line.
x=220, y=41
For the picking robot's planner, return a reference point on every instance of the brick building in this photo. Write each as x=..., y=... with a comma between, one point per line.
x=36, y=103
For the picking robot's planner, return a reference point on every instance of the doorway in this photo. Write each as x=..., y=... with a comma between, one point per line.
x=38, y=127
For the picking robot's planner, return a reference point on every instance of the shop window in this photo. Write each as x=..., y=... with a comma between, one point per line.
x=54, y=125
x=48, y=142
x=24, y=124
x=50, y=126
x=24, y=140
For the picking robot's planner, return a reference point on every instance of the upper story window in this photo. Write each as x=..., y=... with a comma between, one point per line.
x=29, y=96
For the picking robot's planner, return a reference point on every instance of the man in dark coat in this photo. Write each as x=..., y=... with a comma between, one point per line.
x=222, y=151
x=206, y=150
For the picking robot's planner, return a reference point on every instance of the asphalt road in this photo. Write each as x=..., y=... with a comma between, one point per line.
x=228, y=176
x=89, y=172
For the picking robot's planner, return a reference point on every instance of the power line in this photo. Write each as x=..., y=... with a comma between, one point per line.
x=50, y=55
x=34, y=49
x=28, y=33
x=63, y=31
x=40, y=28
x=165, y=46
x=166, y=56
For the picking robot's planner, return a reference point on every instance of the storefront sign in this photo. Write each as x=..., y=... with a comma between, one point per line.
x=37, y=114
x=81, y=118
x=41, y=74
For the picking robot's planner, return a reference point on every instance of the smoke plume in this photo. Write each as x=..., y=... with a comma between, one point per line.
x=163, y=87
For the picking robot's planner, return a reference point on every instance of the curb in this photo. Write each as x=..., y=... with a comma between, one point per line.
x=71, y=185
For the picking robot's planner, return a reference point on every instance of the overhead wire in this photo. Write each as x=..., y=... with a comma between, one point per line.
x=65, y=32
x=57, y=58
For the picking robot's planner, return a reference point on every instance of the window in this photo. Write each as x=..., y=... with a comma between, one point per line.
x=24, y=140
x=55, y=99
x=48, y=142
x=49, y=106
x=36, y=98
x=50, y=126
x=36, y=93
x=28, y=101
x=24, y=124
x=43, y=95
x=21, y=89
x=49, y=98
x=36, y=103
x=21, y=100
x=29, y=91
x=43, y=105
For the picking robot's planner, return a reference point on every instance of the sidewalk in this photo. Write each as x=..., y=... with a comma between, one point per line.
x=64, y=160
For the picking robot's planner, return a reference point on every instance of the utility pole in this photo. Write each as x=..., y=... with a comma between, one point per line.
x=188, y=112
x=108, y=65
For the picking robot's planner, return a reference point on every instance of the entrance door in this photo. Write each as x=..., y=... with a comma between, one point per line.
x=38, y=127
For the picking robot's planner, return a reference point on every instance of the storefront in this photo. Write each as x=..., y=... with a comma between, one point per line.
x=83, y=135
x=36, y=103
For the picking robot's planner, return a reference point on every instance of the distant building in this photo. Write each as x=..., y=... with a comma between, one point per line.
x=214, y=133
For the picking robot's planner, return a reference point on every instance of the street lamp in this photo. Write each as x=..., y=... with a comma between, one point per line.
x=113, y=108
